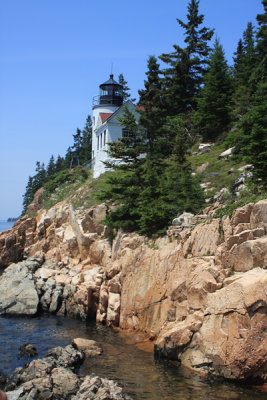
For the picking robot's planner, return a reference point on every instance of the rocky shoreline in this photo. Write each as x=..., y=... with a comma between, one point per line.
x=55, y=377
x=199, y=294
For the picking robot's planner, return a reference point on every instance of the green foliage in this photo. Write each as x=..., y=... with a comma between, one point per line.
x=146, y=192
x=250, y=139
x=51, y=167
x=34, y=183
x=213, y=114
x=125, y=89
x=81, y=149
x=152, y=114
x=184, y=75
x=244, y=64
x=69, y=176
x=124, y=187
x=181, y=190
x=63, y=185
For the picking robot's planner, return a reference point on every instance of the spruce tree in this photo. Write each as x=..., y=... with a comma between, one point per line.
x=34, y=183
x=68, y=158
x=123, y=186
x=151, y=110
x=181, y=191
x=184, y=75
x=252, y=140
x=59, y=165
x=244, y=64
x=28, y=195
x=86, y=142
x=51, y=168
x=213, y=114
x=125, y=89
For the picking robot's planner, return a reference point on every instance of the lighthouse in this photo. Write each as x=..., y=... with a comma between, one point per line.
x=107, y=106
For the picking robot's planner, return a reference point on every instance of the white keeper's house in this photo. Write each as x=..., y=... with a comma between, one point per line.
x=107, y=106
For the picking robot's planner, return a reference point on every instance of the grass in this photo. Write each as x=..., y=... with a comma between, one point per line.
x=217, y=172
x=64, y=185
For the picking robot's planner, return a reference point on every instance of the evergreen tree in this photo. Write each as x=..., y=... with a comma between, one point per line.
x=51, y=168
x=40, y=176
x=152, y=217
x=34, y=183
x=76, y=148
x=244, y=64
x=125, y=89
x=184, y=75
x=251, y=142
x=59, y=165
x=68, y=158
x=86, y=142
x=181, y=190
x=28, y=196
x=151, y=110
x=123, y=187
x=214, y=103
x=238, y=58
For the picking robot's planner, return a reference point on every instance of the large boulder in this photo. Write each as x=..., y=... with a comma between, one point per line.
x=18, y=295
x=232, y=340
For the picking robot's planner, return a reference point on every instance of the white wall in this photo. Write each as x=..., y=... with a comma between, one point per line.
x=113, y=132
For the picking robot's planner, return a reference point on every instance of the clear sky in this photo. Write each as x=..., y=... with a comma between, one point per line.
x=55, y=53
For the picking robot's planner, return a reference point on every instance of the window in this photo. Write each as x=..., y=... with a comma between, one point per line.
x=105, y=132
x=97, y=142
x=101, y=141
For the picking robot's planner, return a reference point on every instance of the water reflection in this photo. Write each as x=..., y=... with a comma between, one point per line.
x=134, y=369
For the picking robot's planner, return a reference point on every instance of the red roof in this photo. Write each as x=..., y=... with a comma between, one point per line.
x=104, y=116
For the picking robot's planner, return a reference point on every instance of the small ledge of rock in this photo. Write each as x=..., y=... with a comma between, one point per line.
x=226, y=153
x=90, y=348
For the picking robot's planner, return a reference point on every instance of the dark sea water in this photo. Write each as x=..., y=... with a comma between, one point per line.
x=135, y=370
x=4, y=225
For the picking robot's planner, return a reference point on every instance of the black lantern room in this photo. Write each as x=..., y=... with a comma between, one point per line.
x=111, y=93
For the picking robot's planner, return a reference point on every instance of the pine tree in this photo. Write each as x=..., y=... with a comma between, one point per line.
x=213, y=114
x=123, y=187
x=125, y=89
x=59, y=164
x=181, y=191
x=51, y=168
x=184, y=75
x=238, y=59
x=28, y=195
x=151, y=111
x=86, y=142
x=40, y=177
x=68, y=158
x=244, y=64
x=252, y=139
x=152, y=216
x=34, y=183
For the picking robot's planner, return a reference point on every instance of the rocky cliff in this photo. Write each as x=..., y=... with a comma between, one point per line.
x=200, y=293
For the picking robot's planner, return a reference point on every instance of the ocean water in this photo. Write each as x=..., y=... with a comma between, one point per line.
x=4, y=225
x=142, y=377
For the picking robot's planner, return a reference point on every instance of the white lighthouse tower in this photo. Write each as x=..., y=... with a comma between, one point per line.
x=107, y=106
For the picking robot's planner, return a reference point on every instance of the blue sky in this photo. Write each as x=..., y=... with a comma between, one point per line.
x=55, y=53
